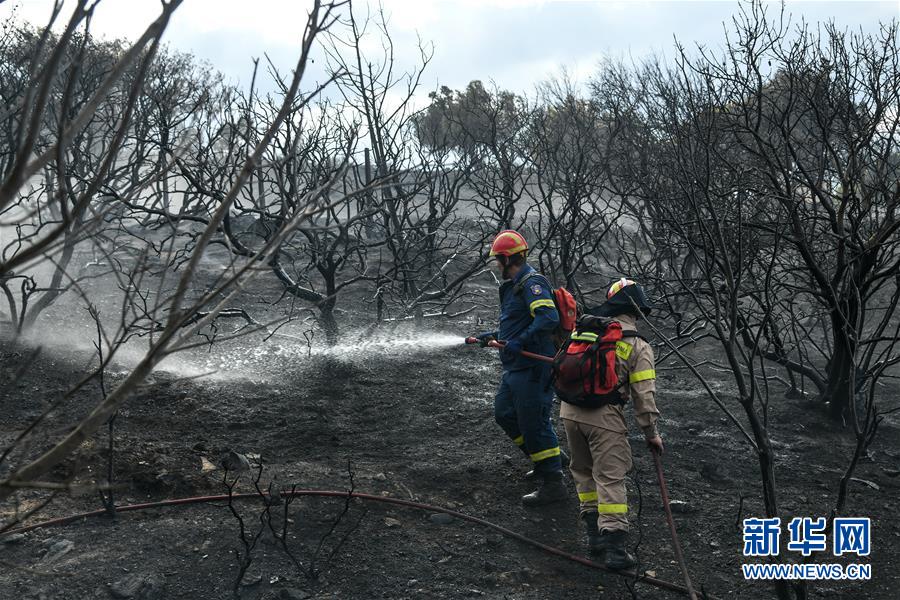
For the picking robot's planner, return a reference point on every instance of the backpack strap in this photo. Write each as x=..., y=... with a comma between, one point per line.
x=521, y=284
x=629, y=334
x=633, y=334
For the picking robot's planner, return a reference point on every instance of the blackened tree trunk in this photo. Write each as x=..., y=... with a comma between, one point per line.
x=842, y=370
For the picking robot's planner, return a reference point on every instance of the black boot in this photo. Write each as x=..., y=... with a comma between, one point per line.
x=617, y=556
x=595, y=542
x=552, y=489
x=533, y=475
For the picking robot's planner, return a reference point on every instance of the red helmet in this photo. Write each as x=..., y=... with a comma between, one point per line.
x=507, y=243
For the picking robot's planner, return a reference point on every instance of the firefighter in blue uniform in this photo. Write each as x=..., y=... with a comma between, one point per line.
x=524, y=400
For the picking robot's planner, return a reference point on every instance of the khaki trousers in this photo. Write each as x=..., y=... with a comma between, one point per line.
x=600, y=459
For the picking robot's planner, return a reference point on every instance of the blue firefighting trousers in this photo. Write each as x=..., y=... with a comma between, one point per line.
x=522, y=408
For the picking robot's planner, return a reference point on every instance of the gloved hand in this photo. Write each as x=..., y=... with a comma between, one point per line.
x=485, y=338
x=513, y=347
x=655, y=444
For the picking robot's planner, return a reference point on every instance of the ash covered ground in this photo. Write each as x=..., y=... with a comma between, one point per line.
x=411, y=415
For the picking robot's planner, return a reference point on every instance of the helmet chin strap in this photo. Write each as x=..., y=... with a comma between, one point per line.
x=504, y=262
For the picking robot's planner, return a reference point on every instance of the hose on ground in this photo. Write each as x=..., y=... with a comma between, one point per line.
x=659, y=583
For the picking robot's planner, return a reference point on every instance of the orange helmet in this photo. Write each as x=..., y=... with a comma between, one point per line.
x=507, y=243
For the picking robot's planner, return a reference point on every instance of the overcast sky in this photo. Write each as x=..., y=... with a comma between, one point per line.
x=515, y=43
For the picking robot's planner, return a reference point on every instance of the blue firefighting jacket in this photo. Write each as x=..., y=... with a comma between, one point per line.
x=528, y=314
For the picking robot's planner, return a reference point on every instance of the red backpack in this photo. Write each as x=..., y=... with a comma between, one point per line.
x=565, y=306
x=584, y=369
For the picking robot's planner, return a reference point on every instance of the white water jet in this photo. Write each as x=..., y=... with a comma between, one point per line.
x=253, y=357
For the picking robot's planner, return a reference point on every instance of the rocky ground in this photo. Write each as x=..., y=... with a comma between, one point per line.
x=406, y=425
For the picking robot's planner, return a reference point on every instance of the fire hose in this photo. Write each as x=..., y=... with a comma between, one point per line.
x=500, y=345
x=659, y=583
x=664, y=491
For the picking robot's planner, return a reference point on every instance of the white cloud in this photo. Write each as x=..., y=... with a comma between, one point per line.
x=113, y=19
x=273, y=21
x=514, y=42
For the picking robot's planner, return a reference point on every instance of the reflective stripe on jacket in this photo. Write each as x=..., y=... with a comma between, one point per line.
x=529, y=315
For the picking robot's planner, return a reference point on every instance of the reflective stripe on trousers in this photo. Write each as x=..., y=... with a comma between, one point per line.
x=600, y=459
x=522, y=407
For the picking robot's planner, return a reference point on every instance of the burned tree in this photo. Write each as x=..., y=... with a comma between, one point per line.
x=805, y=159
x=170, y=315
x=779, y=186
x=572, y=213
x=68, y=125
x=422, y=254
x=487, y=128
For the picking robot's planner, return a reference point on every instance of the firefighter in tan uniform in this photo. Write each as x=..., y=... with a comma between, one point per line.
x=598, y=442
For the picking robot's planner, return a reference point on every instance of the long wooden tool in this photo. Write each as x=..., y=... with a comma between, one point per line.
x=676, y=545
